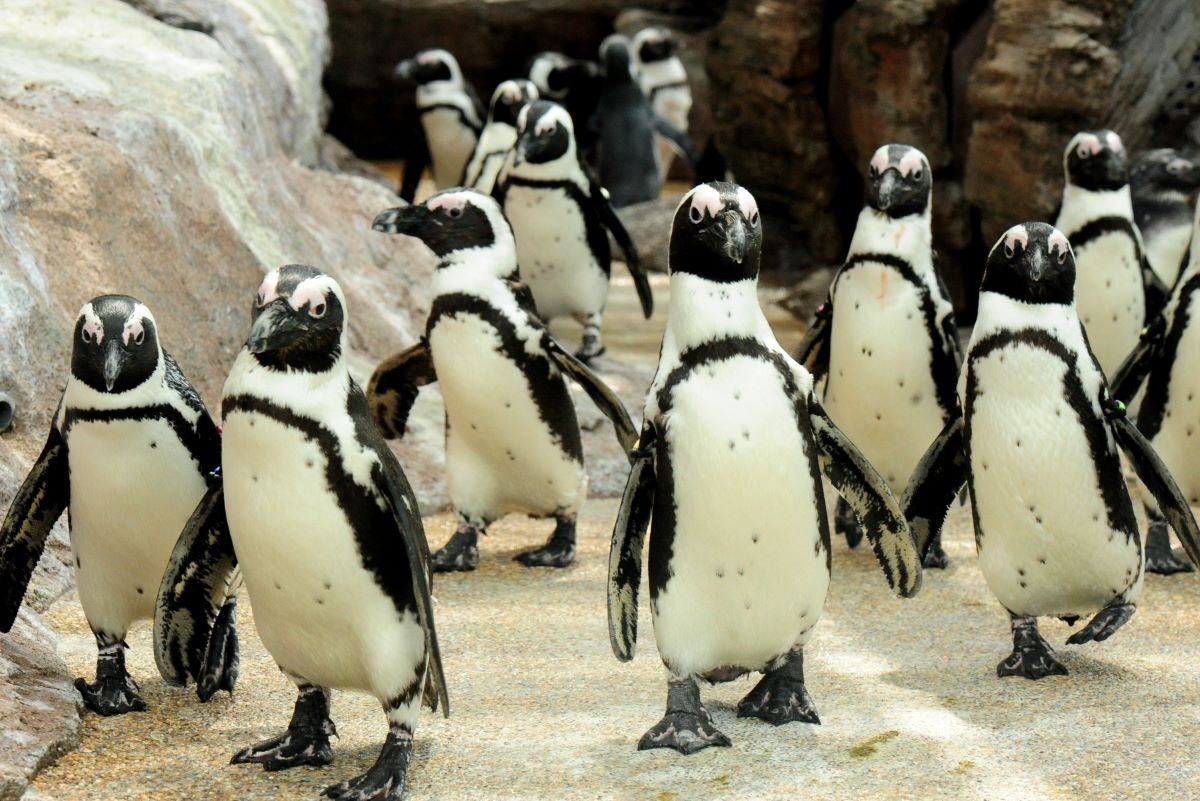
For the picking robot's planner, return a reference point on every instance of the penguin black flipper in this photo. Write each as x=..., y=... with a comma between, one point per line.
x=39, y=502
x=197, y=572
x=415, y=161
x=813, y=352
x=949, y=324
x=1140, y=361
x=1156, y=291
x=394, y=387
x=610, y=220
x=600, y=393
x=683, y=143
x=867, y=493
x=934, y=483
x=1154, y=474
x=625, y=553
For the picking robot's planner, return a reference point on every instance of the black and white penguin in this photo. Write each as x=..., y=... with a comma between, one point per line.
x=326, y=530
x=1037, y=447
x=886, y=338
x=1168, y=359
x=512, y=439
x=626, y=149
x=1097, y=217
x=451, y=120
x=664, y=80
x=499, y=135
x=573, y=83
x=729, y=465
x=561, y=218
x=130, y=453
x=1163, y=186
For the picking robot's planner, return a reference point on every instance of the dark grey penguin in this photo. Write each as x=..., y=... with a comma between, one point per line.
x=1163, y=184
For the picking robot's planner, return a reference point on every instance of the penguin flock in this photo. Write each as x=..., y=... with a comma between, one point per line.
x=297, y=498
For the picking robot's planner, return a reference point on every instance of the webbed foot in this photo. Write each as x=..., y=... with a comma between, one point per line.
x=114, y=692
x=780, y=696
x=306, y=741
x=1032, y=656
x=460, y=554
x=386, y=779
x=1104, y=624
x=559, y=550
x=687, y=727
x=846, y=522
x=935, y=556
x=590, y=346
x=221, y=656
x=1159, y=557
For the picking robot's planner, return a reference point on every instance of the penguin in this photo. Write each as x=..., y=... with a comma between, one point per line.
x=573, y=83
x=626, y=153
x=130, y=453
x=887, y=337
x=1037, y=446
x=664, y=80
x=317, y=512
x=1097, y=217
x=728, y=465
x=512, y=439
x=451, y=120
x=1167, y=359
x=561, y=218
x=499, y=135
x=1163, y=185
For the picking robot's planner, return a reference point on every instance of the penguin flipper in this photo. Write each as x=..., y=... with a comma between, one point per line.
x=196, y=577
x=1140, y=361
x=949, y=323
x=813, y=352
x=683, y=143
x=394, y=387
x=600, y=393
x=608, y=216
x=934, y=483
x=625, y=553
x=1157, y=478
x=39, y=502
x=868, y=494
x=415, y=162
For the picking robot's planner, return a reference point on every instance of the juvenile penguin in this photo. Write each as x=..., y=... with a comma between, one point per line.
x=499, y=135
x=319, y=515
x=512, y=439
x=1037, y=448
x=664, y=80
x=1097, y=217
x=573, y=83
x=1163, y=186
x=561, y=218
x=130, y=453
x=729, y=466
x=451, y=120
x=887, y=338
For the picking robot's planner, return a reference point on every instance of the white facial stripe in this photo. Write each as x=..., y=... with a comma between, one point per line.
x=1058, y=241
x=1179, y=165
x=311, y=291
x=450, y=201
x=1114, y=142
x=707, y=199
x=548, y=121
x=747, y=203
x=911, y=163
x=510, y=91
x=430, y=57
x=880, y=160
x=267, y=290
x=1090, y=144
x=92, y=324
x=134, y=327
x=1016, y=235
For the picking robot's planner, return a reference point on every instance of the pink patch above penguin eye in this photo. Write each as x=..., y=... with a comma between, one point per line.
x=267, y=291
x=133, y=331
x=93, y=330
x=448, y=202
x=428, y=58
x=1017, y=235
x=545, y=125
x=748, y=205
x=311, y=291
x=912, y=164
x=705, y=200
x=1059, y=244
x=1114, y=142
x=1088, y=146
x=1178, y=166
x=879, y=162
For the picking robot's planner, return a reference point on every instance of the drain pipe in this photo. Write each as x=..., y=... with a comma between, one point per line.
x=7, y=409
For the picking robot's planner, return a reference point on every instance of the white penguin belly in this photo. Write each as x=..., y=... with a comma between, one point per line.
x=1046, y=546
x=134, y=486
x=748, y=571
x=319, y=612
x=1178, y=438
x=450, y=142
x=1110, y=297
x=1166, y=252
x=501, y=456
x=880, y=390
x=553, y=256
x=673, y=105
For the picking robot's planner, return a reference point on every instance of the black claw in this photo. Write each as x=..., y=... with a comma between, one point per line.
x=1159, y=557
x=306, y=741
x=386, y=779
x=686, y=727
x=1032, y=656
x=780, y=696
x=590, y=349
x=221, y=656
x=114, y=692
x=460, y=554
x=559, y=550
x=846, y=522
x=1104, y=624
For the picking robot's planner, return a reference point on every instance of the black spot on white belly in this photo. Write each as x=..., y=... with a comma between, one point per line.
x=153, y=444
x=141, y=591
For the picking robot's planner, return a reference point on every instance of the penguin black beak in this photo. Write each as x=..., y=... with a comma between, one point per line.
x=885, y=196
x=1037, y=266
x=732, y=228
x=274, y=328
x=114, y=362
x=1187, y=174
x=405, y=69
x=1115, y=169
x=519, y=153
x=407, y=220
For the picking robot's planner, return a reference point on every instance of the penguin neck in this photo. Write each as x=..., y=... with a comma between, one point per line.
x=701, y=311
x=910, y=238
x=440, y=92
x=652, y=74
x=999, y=312
x=1080, y=206
x=564, y=168
x=305, y=392
x=474, y=272
x=153, y=390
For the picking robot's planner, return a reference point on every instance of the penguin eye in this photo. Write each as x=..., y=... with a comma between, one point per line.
x=754, y=218
x=874, y=173
x=318, y=311
x=1082, y=152
x=1062, y=256
x=695, y=215
x=917, y=174
x=1008, y=250
x=455, y=211
x=139, y=337
x=259, y=300
x=87, y=335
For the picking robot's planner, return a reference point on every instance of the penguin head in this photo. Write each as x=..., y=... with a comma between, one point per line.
x=549, y=71
x=899, y=181
x=654, y=44
x=455, y=221
x=717, y=234
x=616, y=59
x=544, y=134
x=1095, y=160
x=297, y=320
x=1163, y=169
x=116, y=344
x=509, y=98
x=1032, y=262
x=430, y=66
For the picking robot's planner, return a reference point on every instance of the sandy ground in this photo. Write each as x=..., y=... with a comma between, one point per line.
x=907, y=692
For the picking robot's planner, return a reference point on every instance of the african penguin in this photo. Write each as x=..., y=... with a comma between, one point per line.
x=1163, y=186
x=499, y=135
x=1037, y=447
x=574, y=84
x=451, y=120
x=1097, y=217
x=664, y=80
x=130, y=453
x=893, y=352
x=561, y=219
x=512, y=439
x=326, y=530
x=729, y=466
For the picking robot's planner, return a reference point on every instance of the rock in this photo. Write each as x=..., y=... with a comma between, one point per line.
x=649, y=225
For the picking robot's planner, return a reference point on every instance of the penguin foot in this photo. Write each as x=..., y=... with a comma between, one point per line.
x=687, y=726
x=589, y=350
x=1159, y=557
x=559, y=550
x=221, y=657
x=1104, y=624
x=386, y=779
x=780, y=696
x=846, y=522
x=306, y=741
x=111, y=695
x=936, y=556
x=460, y=554
x=1032, y=656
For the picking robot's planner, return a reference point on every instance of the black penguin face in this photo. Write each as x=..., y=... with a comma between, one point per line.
x=452, y=221
x=1095, y=160
x=655, y=44
x=429, y=66
x=116, y=344
x=297, y=319
x=899, y=181
x=616, y=58
x=1032, y=262
x=508, y=100
x=544, y=133
x=717, y=234
x=1163, y=170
